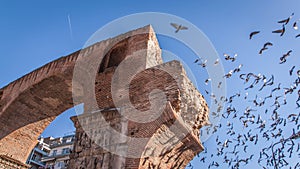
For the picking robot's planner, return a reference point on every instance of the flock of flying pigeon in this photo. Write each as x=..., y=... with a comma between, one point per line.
x=264, y=124
x=281, y=32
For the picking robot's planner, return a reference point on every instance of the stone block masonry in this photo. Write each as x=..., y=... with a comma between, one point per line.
x=108, y=134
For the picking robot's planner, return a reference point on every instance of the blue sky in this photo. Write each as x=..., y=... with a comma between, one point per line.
x=34, y=33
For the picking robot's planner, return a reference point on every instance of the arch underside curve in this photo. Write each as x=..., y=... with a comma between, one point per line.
x=29, y=104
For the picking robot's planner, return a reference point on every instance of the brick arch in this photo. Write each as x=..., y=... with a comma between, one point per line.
x=29, y=104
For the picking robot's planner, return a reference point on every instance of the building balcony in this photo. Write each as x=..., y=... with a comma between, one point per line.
x=39, y=163
x=61, y=144
x=53, y=157
x=40, y=151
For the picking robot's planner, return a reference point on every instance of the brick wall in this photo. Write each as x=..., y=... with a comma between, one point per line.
x=30, y=103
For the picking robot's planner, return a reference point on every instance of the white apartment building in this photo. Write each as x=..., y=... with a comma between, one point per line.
x=58, y=157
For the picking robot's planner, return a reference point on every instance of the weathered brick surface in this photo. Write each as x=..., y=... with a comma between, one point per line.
x=30, y=103
x=173, y=137
x=10, y=163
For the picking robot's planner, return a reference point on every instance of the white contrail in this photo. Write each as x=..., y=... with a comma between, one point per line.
x=70, y=26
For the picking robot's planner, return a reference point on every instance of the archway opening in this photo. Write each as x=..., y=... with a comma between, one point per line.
x=56, y=142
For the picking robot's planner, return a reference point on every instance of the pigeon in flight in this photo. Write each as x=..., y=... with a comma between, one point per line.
x=253, y=33
x=228, y=57
x=268, y=44
x=295, y=26
x=297, y=36
x=265, y=47
x=262, y=49
x=207, y=80
x=286, y=21
x=178, y=27
x=217, y=62
x=283, y=58
x=281, y=31
x=197, y=60
x=203, y=64
x=291, y=70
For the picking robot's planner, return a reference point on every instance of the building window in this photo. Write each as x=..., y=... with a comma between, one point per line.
x=54, y=152
x=33, y=157
x=61, y=164
x=66, y=162
x=49, y=166
x=66, y=151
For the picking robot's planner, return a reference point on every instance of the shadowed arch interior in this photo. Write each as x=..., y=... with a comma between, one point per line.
x=114, y=56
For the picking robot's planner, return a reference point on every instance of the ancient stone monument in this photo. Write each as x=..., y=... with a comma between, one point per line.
x=138, y=111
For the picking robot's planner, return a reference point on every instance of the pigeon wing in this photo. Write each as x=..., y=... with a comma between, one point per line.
x=252, y=34
x=282, y=21
x=184, y=28
x=277, y=31
x=175, y=25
